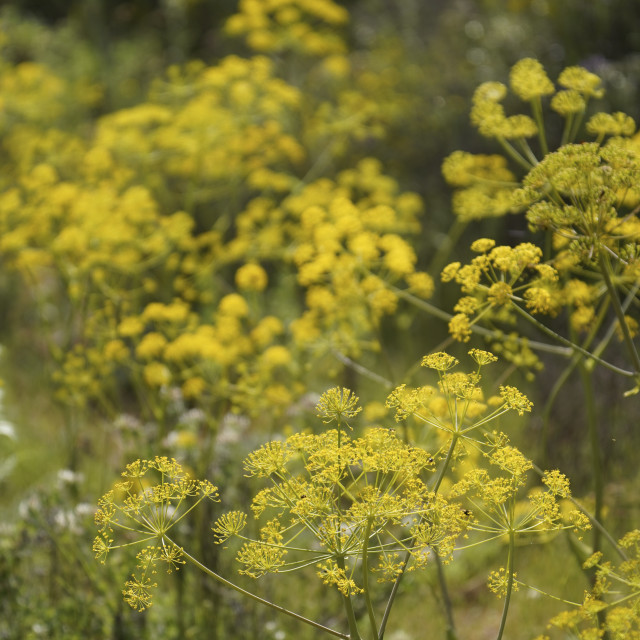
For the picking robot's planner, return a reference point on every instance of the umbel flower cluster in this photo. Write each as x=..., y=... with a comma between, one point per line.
x=154, y=496
x=161, y=236
x=359, y=511
x=583, y=196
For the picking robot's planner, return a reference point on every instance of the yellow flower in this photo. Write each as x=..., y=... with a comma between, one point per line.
x=460, y=327
x=499, y=293
x=529, y=80
x=482, y=357
x=251, y=277
x=482, y=245
x=611, y=124
x=130, y=327
x=420, y=284
x=540, y=300
x=568, y=102
x=234, y=305
x=450, y=272
x=116, y=351
x=276, y=356
x=383, y=301
x=581, y=80
x=515, y=400
x=151, y=346
x=337, y=404
x=176, y=312
x=440, y=361
x=193, y=387
x=156, y=374
x=266, y=330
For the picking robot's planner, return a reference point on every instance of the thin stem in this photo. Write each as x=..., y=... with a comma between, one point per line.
x=448, y=609
x=596, y=523
x=361, y=369
x=536, y=107
x=513, y=153
x=594, y=444
x=447, y=460
x=448, y=243
x=354, y=634
x=507, y=598
x=392, y=595
x=443, y=315
x=365, y=578
x=253, y=596
x=572, y=345
x=605, y=268
x=407, y=557
x=546, y=413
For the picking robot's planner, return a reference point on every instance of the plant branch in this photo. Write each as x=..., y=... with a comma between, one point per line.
x=571, y=345
x=507, y=598
x=253, y=596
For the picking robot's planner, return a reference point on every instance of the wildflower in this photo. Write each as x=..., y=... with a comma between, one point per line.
x=251, y=277
x=581, y=80
x=483, y=245
x=268, y=460
x=450, y=272
x=482, y=357
x=116, y=351
x=568, y=102
x=234, y=305
x=557, y=482
x=147, y=511
x=611, y=124
x=529, y=80
x=337, y=404
x=515, y=400
x=439, y=361
x=519, y=126
x=467, y=305
x=463, y=169
x=131, y=327
x=460, y=327
x=498, y=582
x=156, y=374
x=276, y=356
x=383, y=301
x=193, y=387
x=420, y=284
x=499, y=293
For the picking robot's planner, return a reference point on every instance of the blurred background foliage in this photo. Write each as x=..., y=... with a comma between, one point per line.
x=112, y=98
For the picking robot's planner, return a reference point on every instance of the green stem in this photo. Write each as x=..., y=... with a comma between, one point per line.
x=513, y=153
x=546, y=413
x=605, y=267
x=571, y=345
x=536, y=107
x=365, y=578
x=444, y=248
x=507, y=598
x=392, y=595
x=447, y=460
x=586, y=376
x=596, y=523
x=354, y=634
x=361, y=369
x=448, y=609
x=253, y=596
x=431, y=309
x=407, y=557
